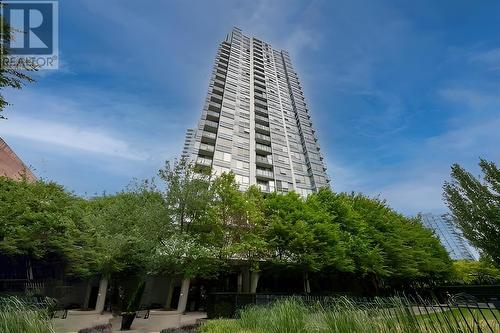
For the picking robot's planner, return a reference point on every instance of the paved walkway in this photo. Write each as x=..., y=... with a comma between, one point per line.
x=154, y=324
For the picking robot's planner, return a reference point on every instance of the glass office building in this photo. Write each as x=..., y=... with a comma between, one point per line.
x=255, y=121
x=450, y=236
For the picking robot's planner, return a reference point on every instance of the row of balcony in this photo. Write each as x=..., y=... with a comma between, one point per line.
x=212, y=115
x=211, y=126
x=262, y=149
x=262, y=129
x=203, y=161
x=262, y=138
x=208, y=137
x=207, y=149
x=261, y=112
x=262, y=120
x=264, y=161
x=264, y=174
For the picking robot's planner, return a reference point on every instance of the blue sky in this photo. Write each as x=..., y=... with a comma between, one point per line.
x=398, y=90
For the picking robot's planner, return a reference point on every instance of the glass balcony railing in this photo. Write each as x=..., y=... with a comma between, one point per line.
x=262, y=128
x=262, y=148
x=261, y=111
x=213, y=115
x=265, y=174
x=264, y=188
x=208, y=137
x=207, y=148
x=262, y=138
x=263, y=160
x=262, y=120
x=203, y=161
x=211, y=126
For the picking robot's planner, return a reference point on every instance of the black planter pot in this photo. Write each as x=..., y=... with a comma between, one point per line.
x=127, y=319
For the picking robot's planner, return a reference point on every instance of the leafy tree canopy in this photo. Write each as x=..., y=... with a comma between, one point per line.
x=475, y=205
x=9, y=77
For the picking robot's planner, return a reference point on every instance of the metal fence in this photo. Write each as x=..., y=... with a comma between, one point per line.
x=458, y=311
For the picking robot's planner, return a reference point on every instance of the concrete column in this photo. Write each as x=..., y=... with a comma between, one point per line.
x=181, y=307
x=101, y=296
x=245, y=280
x=307, y=286
x=88, y=290
x=254, y=281
x=240, y=282
x=170, y=292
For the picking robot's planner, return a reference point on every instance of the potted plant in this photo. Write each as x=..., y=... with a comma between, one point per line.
x=132, y=307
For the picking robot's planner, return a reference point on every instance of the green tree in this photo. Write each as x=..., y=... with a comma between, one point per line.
x=42, y=221
x=187, y=193
x=9, y=77
x=238, y=219
x=475, y=205
x=302, y=235
x=475, y=272
x=379, y=244
x=125, y=228
x=186, y=241
x=186, y=247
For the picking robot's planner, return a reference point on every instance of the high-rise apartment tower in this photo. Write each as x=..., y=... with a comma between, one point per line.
x=255, y=121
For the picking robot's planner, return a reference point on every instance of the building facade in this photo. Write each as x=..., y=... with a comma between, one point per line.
x=255, y=121
x=11, y=165
x=450, y=236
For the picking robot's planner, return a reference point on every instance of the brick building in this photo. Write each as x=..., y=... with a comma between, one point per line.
x=11, y=165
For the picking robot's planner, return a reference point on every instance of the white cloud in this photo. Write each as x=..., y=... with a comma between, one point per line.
x=476, y=100
x=490, y=58
x=69, y=136
x=423, y=193
x=477, y=138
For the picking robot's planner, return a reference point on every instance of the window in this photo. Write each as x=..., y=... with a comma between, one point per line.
x=242, y=179
x=242, y=165
x=218, y=170
x=223, y=156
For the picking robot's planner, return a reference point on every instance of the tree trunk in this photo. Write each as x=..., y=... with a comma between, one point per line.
x=254, y=281
x=101, y=296
x=181, y=306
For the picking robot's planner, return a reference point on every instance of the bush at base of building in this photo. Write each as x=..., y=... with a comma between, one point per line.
x=475, y=272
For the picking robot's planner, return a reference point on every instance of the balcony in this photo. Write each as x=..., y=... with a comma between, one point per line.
x=212, y=115
x=211, y=126
x=207, y=137
x=261, y=98
x=262, y=149
x=206, y=149
x=264, y=187
x=261, y=120
x=216, y=99
x=261, y=104
x=263, y=161
x=214, y=106
x=262, y=129
x=261, y=86
x=264, y=174
x=261, y=112
x=218, y=90
x=262, y=138
x=202, y=161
